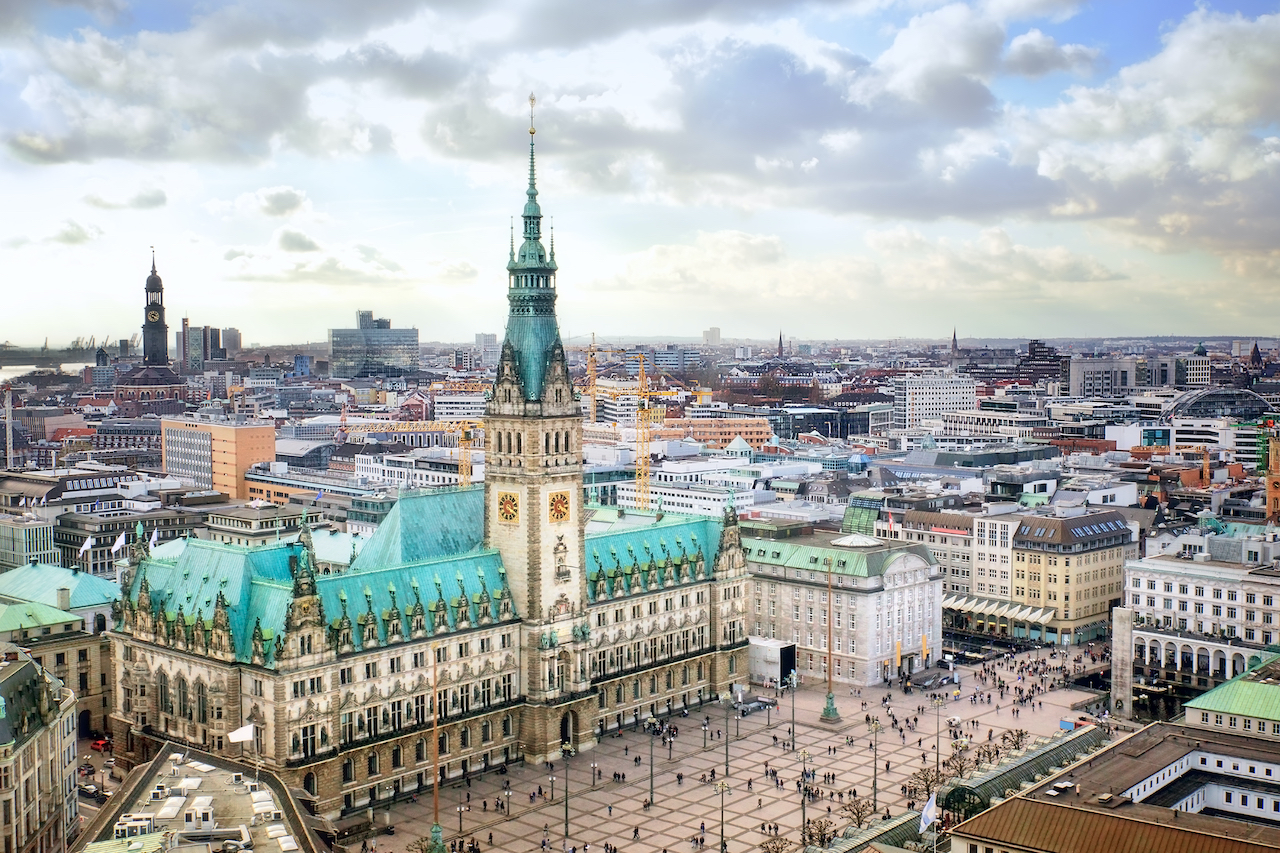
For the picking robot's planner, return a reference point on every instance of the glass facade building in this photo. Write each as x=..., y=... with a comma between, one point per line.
x=354, y=353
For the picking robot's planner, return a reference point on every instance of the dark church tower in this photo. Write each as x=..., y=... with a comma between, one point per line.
x=155, y=333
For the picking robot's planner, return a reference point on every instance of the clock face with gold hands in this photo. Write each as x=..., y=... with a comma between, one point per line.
x=558, y=506
x=153, y=316
x=508, y=507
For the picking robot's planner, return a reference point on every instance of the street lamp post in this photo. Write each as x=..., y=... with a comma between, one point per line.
x=875, y=727
x=507, y=794
x=722, y=788
x=793, y=710
x=728, y=702
x=566, y=752
x=804, y=784
x=650, y=722
x=704, y=735
x=459, y=816
x=670, y=744
x=552, y=778
x=594, y=768
x=937, y=703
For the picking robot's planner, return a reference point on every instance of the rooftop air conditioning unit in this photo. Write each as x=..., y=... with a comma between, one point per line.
x=237, y=778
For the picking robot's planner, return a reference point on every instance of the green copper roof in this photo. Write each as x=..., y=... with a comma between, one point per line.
x=30, y=614
x=1255, y=693
x=532, y=332
x=41, y=583
x=617, y=542
x=425, y=526
x=858, y=562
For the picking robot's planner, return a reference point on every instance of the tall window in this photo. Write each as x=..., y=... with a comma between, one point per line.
x=202, y=703
x=162, y=688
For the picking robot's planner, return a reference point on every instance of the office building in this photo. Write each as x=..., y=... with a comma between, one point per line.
x=38, y=763
x=711, y=337
x=504, y=613
x=883, y=619
x=916, y=398
x=25, y=539
x=231, y=341
x=373, y=348
x=214, y=454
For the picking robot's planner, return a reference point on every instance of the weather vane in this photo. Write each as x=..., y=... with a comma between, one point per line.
x=532, y=103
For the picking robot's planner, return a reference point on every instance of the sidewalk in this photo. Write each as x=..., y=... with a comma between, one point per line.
x=611, y=811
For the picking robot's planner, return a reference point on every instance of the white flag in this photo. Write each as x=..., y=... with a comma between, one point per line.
x=930, y=813
x=88, y=543
x=118, y=544
x=155, y=537
x=242, y=734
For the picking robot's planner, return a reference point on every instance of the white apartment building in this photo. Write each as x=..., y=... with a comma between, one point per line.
x=459, y=407
x=691, y=498
x=424, y=467
x=1196, y=615
x=979, y=422
x=1241, y=439
x=930, y=396
x=882, y=620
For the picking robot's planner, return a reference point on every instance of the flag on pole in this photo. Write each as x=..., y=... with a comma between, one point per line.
x=242, y=734
x=930, y=812
x=44, y=501
x=320, y=494
x=118, y=544
x=88, y=543
x=155, y=537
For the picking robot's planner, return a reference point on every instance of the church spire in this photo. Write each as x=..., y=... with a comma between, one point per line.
x=532, y=331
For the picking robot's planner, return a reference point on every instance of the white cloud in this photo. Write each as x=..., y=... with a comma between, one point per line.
x=143, y=199
x=296, y=241
x=1034, y=54
x=72, y=233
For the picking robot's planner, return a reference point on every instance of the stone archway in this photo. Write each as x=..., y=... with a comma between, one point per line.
x=569, y=728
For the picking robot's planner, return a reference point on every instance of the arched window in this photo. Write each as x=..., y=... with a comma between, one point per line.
x=371, y=763
x=420, y=750
x=546, y=443
x=557, y=434
x=162, y=692
x=309, y=783
x=202, y=704
x=348, y=771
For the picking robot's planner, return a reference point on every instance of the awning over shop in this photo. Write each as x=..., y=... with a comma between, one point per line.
x=972, y=605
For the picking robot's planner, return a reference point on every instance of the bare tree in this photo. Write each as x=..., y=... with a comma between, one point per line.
x=819, y=831
x=858, y=809
x=925, y=781
x=1015, y=738
x=987, y=753
x=421, y=844
x=776, y=844
x=960, y=763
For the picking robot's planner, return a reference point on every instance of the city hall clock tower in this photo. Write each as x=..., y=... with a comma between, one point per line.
x=533, y=490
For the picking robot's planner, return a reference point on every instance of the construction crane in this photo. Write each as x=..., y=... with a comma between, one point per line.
x=8, y=426
x=646, y=417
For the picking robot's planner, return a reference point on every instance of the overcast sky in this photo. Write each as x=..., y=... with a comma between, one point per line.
x=856, y=169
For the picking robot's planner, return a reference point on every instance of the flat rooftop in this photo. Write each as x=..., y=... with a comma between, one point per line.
x=204, y=799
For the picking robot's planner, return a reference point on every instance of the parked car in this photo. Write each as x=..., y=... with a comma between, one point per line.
x=93, y=792
x=101, y=745
x=87, y=769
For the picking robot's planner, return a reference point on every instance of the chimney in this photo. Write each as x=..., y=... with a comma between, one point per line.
x=64, y=598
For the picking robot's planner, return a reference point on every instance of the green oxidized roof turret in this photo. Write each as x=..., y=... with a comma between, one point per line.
x=532, y=332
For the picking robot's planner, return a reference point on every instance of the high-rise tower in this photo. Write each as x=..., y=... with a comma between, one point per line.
x=533, y=472
x=155, y=333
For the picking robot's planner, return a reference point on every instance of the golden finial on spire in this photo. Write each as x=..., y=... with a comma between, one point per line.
x=532, y=103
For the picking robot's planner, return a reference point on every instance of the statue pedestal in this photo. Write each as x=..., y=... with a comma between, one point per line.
x=830, y=715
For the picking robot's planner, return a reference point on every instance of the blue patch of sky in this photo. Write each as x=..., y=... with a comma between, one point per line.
x=166, y=16
x=1125, y=33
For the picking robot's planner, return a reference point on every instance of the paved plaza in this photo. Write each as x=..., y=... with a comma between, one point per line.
x=610, y=811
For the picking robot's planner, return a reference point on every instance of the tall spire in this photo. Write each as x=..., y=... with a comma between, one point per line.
x=153, y=260
x=531, y=325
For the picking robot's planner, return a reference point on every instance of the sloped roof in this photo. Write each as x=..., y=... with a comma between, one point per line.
x=1054, y=828
x=30, y=614
x=427, y=525
x=40, y=582
x=808, y=553
x=624, y=539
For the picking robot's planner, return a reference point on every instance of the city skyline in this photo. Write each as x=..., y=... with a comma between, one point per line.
x=1013, y=168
